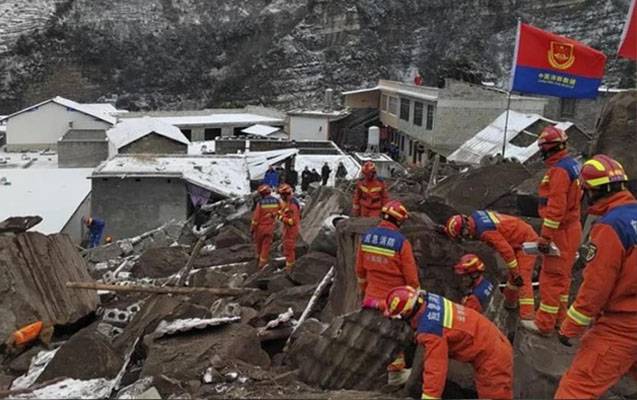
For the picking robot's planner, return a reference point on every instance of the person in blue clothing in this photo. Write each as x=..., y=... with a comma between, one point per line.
x=96, y=230
x=271, y=177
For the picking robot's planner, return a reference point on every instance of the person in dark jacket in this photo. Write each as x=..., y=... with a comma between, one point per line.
x=325, y=173
x=306, y=179
x=316, y=177
x=271, y=177
x=292, y=177
x=341, y=171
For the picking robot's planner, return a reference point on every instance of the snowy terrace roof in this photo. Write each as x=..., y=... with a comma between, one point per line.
x=103, y=108
x=129, y=130
x=261, y=130
x=88, y=109
x=54, y=194
x=334, y=115
x=225, y=175
x=488, y=142
x=220, y=119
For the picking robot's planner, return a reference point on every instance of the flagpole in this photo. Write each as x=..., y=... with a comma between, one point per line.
x=506, y=125
x=515, y=58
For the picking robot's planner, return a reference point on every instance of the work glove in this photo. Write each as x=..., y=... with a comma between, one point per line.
x=565, y=340
x=516, y=280
x=544, y=245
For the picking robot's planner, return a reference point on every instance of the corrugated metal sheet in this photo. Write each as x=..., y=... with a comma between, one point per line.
x=488, y=142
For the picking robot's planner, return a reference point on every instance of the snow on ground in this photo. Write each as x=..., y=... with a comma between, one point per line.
x=52, y=193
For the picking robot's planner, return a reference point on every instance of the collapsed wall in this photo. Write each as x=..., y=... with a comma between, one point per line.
x=34, y=269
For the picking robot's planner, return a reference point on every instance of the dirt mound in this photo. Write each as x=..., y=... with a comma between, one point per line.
x=616, y=130
x=160, y=262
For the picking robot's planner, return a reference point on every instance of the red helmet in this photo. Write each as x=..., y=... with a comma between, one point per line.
x=401, y=301
x=285, y=189
x=396, y=210
x=264, y=190
x=369, y=168
x=469, y=264
x=551, y=137
x=455, y=226
x=601, y=170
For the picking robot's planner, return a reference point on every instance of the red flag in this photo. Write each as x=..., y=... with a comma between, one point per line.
x=546, y=63
x=628, y=45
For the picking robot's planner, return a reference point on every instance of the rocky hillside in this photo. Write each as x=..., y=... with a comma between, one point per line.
x=282, y=53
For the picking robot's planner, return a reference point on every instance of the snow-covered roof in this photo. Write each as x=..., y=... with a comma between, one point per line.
x=405, y=89
x=131, y=129
x=260, y=130
x=220, y=119
x=376, y=157
x=225, y=175
x=317, y=161
x=488, y=142
x=334, y=115
x=90, y=109
x=104, y=108
x=52, y=193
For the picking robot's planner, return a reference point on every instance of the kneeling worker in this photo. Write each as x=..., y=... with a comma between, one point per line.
x=478, y=290
x=448, y=330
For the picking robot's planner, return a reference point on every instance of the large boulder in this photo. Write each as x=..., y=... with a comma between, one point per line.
x=540, y=362
x=312, y=267
x=230, y=236
x=160, y=262
x=616, y=130
x=34, y=269
x=87, y=355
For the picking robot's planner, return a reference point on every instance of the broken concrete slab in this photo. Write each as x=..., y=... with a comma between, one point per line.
x=34, y=269
x=235, y=254
x=295, y=298
x=324, y=202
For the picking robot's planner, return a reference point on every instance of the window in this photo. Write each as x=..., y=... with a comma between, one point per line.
x=211, y=133
x=237, y=131
x=430, y=117
x=187, y=133
x=402, y=143
x=567, y=107
x=418, y=106
x=411, y=146
x=383, y=102
x=393, y=106
x=404, y=109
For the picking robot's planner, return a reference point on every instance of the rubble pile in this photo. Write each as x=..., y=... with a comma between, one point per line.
x=616, y=130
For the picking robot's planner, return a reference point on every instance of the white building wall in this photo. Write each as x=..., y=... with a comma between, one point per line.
x=42, y=127
x=309, y=128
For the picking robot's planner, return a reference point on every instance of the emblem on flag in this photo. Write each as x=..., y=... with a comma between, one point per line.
x=561, y=55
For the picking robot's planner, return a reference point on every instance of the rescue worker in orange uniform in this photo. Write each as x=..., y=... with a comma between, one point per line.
x=607, y=298
x=290, y=216
x=505, y=234
x=384, y=260
x=448, y=330
x=560, y=196
x=28, y=334
x=370, y=193
x=478, y=289
x=263, y=222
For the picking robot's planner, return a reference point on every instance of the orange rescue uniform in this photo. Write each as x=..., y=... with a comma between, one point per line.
x=290, y=216
x=369, y=197
x=263, y=220
x=27, y=334
x=608, y=300
x=385, y=260
x=448, y=330
x=560, y=196
x=506, y=234
x=480, y=296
